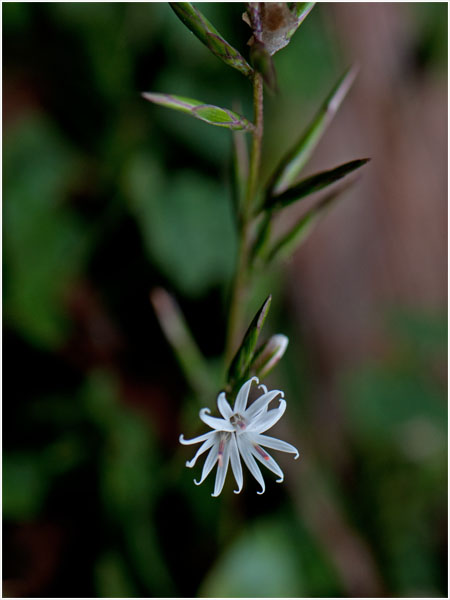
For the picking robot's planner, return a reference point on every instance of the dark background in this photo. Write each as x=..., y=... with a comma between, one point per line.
x=107, y=196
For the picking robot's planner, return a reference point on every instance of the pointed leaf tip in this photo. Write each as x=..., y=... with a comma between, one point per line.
x=293, y=162
x=312, y=184
x=241, y=362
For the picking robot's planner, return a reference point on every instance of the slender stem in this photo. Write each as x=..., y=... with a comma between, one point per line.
x=239, y=283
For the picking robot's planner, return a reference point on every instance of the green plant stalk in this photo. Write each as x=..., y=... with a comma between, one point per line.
x=240, y=279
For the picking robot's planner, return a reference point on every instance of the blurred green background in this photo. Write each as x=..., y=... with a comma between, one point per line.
x=107, y=196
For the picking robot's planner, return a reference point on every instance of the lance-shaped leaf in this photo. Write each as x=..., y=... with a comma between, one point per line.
x=214, y=115
x=262, y=236
x=312, y=184
x=208, y=34
x=180, y=338
x=299, y=233
x=243, y=358
x=292, y=164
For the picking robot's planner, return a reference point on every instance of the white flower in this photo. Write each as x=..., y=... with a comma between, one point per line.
x=239, y=433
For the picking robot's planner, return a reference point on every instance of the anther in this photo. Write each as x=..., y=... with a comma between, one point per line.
x=261, y=452
x=238, y=421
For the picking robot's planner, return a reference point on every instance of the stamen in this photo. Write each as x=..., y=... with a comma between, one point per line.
x=261, y=452
x=238, y=421
x=221, y=449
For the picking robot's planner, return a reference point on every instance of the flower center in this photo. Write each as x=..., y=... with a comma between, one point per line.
x=238, y=421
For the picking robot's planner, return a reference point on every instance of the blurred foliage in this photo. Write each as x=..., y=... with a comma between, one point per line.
x=188, y=208
x=107, y=196
x=45, y=242
x=261, y=563
x=397, y=420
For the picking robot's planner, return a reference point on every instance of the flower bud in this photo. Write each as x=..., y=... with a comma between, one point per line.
x=273, y=24
x=269, y=354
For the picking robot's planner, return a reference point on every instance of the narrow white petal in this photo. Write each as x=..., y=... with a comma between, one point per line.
x=222, y=470
x=223, y=406
x=260, y=404
x=268, y=462
x=236, y=464
x=209, y=462
x=218, y=424
x=244, y=446
x=266, y=420
x=242, y=397
x=197, y=439
x=274, y=443
x=263, y=387
x=203, y=448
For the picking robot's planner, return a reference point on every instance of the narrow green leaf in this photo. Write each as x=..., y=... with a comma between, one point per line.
x=243, y=358
x=299, y=233
x=262, y=235
x=182, y=341
x=214, y=115
x=301, y=10
x=312, y=184
x=292, y=164
x=208, y=35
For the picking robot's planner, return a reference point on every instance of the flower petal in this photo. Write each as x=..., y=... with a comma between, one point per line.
x=260, y=404
x=245, y=446
x=236, y=464
x=218, y=424
x=203, y=448
x=222, y=470
x=265, y=420
x=263, y=387
x=223, y=406
x=209, y=462
x=274, y=443
x=196, y=440
x=268, y=462
x=242, y=397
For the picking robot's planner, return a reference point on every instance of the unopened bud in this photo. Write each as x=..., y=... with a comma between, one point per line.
x=274, y=23
x=269, y=355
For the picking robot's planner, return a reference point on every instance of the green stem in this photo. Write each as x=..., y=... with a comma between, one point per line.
x=240, y=279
